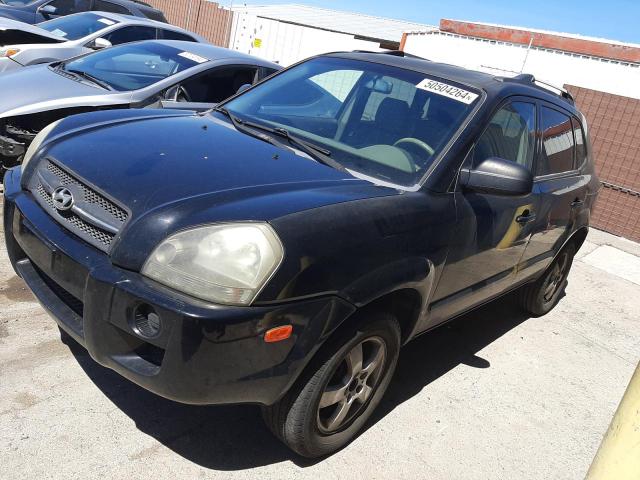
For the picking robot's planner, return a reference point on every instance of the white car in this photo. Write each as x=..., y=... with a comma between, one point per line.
x=22, y=44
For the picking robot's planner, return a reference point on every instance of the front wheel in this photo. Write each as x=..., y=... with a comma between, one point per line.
x=342, y=387
x=539, y=297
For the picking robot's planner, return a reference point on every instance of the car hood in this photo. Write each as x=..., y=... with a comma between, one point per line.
x=13, y=32
x=28, y=94
x=173, y=171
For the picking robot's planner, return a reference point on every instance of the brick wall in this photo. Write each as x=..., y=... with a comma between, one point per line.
x=614, y=123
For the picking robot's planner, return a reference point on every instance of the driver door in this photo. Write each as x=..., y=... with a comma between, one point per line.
x=492, y=230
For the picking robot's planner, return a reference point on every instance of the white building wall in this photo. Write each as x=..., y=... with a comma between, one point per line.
x=286, y=43
x=552, y=66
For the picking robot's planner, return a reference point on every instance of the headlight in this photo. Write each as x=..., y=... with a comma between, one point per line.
x=225, y=263
x=36, y=142
x=8, y=52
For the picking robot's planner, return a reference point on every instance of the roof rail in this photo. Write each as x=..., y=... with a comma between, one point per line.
x=527, y=78
x=393, y=53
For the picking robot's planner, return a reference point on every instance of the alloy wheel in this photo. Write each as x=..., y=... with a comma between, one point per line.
x=352, y=384
x=556, y=277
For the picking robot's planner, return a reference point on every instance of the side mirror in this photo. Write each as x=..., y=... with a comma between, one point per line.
x=48, y=10
x=244, y=87
x=100, y=43
x=498, y=176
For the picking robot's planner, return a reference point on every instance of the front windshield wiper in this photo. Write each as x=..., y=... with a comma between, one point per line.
x=319, y=154
x=240, y=126
x=91, y=78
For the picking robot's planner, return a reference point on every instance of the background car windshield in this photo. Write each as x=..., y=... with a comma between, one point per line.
x=77, y=26
x=382, y=121
x=132, y=66
x=18, y=3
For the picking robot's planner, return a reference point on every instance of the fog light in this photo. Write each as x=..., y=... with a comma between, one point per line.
x=146, y=322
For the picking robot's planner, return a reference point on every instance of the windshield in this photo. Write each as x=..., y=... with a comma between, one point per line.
x=17, y=3
x=381, y=121
x=134, y=65
x=77, y=26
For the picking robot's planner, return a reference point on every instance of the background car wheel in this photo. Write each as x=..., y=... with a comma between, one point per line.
x=341, y=388
x=539, y=297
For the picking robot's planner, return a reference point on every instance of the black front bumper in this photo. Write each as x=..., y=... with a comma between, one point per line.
x=204, y=354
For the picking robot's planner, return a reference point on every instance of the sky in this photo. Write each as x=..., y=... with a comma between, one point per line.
x=612, y=19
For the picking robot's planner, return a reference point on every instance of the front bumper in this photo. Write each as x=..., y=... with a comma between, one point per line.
x=204, y=354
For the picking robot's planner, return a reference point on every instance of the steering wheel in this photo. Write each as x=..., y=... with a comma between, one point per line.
x=182, y=95
x=418, y=143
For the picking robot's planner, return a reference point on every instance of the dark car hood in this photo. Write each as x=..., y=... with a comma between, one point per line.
x=175, y=171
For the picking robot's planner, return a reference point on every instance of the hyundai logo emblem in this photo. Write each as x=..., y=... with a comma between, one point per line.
x=62, y=198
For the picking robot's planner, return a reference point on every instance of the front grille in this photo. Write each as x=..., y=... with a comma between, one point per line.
x=90, y=196
x=94, y=218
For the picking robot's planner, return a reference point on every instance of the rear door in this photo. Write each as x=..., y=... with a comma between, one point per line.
x=492, y=230
x=559, y=187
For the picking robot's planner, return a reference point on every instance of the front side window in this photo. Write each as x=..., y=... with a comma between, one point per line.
x=216, y=85
x=131, y=66
x=557, y=143
x=376, y=120
x=67, y=7
x=77, y=26
x=510, y=135
x=131, y=34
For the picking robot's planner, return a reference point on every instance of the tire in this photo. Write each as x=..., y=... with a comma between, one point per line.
x=539, y=297
x=333, y=376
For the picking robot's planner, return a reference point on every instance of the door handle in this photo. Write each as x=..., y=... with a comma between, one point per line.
x=522, y=219
x=577, y=203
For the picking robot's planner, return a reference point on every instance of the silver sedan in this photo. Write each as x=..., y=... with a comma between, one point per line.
x=152, y=74
x=22, y=44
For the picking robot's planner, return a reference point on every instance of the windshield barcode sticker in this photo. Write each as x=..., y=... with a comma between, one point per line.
x=193, y=56
x=447, y=90
x=106, y=21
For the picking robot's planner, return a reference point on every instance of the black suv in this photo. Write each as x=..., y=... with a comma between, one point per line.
x=280, y=249
x=36, y=11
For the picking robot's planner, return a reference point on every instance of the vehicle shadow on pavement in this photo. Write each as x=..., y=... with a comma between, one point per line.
x=234, y=437
x=427, y=358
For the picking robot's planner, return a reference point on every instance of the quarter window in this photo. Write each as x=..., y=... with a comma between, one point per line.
x=558, y=143
x=510, y=135
x=581, y=144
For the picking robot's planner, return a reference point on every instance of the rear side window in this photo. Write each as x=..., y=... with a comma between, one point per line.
x=171, y=35
x=131, y=34
x=154, y=15
x=557, y=143
x=510, y=135
x=581, y=144
x=103, y=6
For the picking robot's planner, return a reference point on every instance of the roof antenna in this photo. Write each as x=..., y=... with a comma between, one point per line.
x=527, y=54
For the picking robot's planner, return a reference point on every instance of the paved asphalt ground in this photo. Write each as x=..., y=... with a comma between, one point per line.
x=492, y=395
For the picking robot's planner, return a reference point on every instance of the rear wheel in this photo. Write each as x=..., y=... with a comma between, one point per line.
x=342, y=387
x=539, y=297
